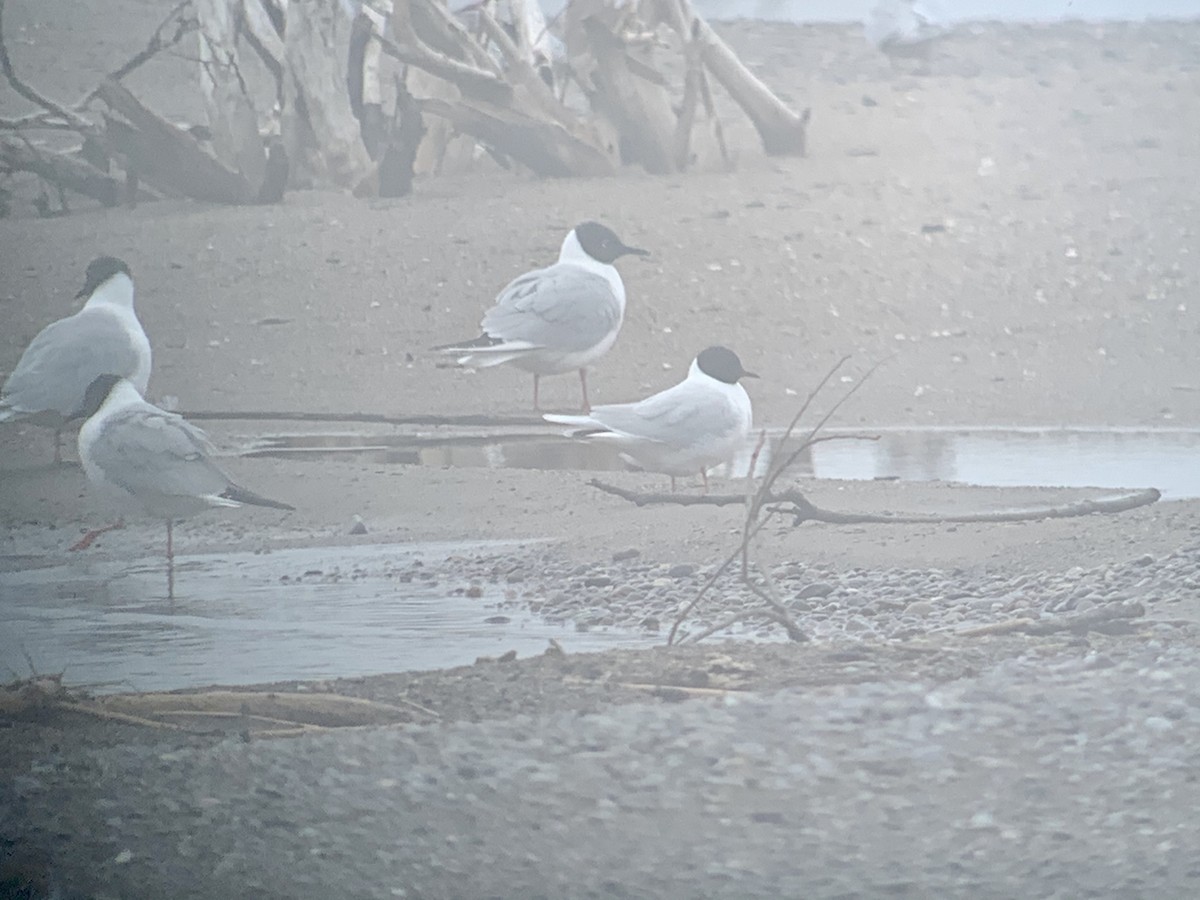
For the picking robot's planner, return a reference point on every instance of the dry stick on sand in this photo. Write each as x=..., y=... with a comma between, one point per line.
x=287, y=713
x=765, y=499
x=755, y=502
x=177, y=151
x=805, y=511
x=1085, y=621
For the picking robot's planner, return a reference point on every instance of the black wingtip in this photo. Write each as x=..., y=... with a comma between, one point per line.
x=241, y=495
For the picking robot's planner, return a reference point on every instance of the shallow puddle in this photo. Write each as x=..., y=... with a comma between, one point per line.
x=989, y=457
x=342, y=611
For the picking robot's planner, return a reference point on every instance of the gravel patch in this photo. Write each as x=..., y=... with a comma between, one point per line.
x=1049, y=775
x=830, y=604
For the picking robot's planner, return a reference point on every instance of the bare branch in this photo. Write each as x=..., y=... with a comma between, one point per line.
x=153, y=47
x=805, y=511
x=731, y=620
x=44, y=119
x=74, y=120
x=60, y=169
x=1083, y=622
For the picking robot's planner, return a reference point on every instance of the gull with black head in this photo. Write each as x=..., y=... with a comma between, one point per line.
x=557, y=319
x=49, y=381
x=699, y=423
x=142, y=457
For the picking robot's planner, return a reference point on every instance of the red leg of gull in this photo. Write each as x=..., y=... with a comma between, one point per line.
x=587, y=407
x=170, y=562
x=90, y=538
x=536, y=378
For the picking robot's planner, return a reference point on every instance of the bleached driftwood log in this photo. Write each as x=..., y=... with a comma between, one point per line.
x=232, y=119
x=320, y=131
x=503, y=82
x=165, y=156
x=638, y=107
x=62, y=169
x=783, y=132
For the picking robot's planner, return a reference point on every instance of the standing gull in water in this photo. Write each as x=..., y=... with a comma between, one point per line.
x=557, y=319
x=151, y=459
x=48, y=384
x=700, y=422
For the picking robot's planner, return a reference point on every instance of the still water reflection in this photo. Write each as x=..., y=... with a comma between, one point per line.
x=236, y=621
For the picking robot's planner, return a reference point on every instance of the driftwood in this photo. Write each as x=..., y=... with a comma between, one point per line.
x=803, y=510
x=782, y=131
x=1097, y=619
x=260, y=713
x=320, y=131
x=639, y=108
x=232, y=119
x=543, y=147
x=166, y=156
x=62, y=169
x=331, y=65
x=146, y=145
x=764, y=501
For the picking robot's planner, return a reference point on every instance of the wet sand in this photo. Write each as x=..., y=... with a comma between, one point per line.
x=1009, y=235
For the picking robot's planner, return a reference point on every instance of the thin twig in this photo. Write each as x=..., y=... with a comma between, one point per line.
x=731, y=620
x=77, y=122
x=153, y=47
x=704, y=589
x=680, y=688
x=1081, y=622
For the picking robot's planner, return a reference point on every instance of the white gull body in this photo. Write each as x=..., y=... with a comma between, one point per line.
x=48, y=383
x=558, y=319
x=699, y=423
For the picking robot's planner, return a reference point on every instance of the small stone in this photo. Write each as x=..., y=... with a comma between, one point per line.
x=475, y=591
x=497, y=620
x=816, y=589
x=983, y=819
x=628, y=553
x=682, y=570
x=597, y=581
x=919, y=608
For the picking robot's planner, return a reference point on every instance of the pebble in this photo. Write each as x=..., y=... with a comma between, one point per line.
x=816, y=589
x=829, y=603
x=919, y=608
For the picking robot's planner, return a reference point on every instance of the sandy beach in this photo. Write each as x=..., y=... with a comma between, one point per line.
x=1009, y=234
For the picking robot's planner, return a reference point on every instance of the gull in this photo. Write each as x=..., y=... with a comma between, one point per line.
x=700, y=422
x=905, y=28
x=141, y=456
x=48, y=384
x=557, y=319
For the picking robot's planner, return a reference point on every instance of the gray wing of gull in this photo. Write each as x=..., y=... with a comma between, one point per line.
x=559, y=307
x=148, y=451
x=66, y=356
x=677, y=417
